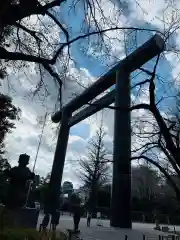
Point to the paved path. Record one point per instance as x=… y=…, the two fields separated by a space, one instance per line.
x=107 y=233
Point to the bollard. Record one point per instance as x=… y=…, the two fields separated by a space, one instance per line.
x=126 y=237
x=173 y=237
x=157 y=227
x=143 y=218
x=69 y=234
x=144 y=237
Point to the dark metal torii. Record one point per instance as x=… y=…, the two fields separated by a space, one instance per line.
x=121 y=192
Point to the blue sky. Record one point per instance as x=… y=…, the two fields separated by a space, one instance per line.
x=89 y=65
x=81 y=130
x=74 y=20
x=96 y=68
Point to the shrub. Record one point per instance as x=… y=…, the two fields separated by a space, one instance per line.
x=19 y=234
x=26 y=234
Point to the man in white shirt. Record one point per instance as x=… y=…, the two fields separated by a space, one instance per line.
x=99 y=219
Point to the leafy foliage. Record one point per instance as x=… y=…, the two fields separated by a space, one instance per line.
x=8 y=112
x=3 y=38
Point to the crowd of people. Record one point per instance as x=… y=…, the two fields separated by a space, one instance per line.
x=53 y=220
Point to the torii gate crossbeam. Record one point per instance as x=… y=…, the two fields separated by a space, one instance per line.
x=132 y=62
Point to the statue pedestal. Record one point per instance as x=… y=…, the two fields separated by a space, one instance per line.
x=21 y=218
x=26 y=218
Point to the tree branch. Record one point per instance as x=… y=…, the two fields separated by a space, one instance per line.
x=146 y=146
x=52 y=73
x=165 y=132
x=4 y=54
x=17 y=12
x=59 y=24
x=152 y=85
x=162 y=170
x=95 y=33
x=146 y=71
x=32 y=33
x=170 y=158
x=140 y=106
x=141 y=83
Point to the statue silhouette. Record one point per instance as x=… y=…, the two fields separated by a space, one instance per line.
x=18 y=178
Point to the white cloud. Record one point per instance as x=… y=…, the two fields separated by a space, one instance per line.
x=25 y=138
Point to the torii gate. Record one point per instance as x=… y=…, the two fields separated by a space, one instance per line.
x=119 y=75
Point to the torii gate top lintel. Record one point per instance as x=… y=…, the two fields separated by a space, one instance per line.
x=135 y=60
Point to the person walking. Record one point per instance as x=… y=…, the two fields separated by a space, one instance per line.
x=44 y=224
x=89 y=216
x=76 y=216
x=54 y=220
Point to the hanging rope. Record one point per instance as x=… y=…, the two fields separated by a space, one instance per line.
x=35 y=161
x=60 y=96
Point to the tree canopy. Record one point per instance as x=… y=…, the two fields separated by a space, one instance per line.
x=8 y=113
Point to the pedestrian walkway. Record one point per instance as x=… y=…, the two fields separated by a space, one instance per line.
x=108 y=233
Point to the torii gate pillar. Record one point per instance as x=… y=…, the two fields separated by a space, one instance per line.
x=121 y=190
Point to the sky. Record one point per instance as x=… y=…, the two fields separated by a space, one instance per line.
x=90 y=63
